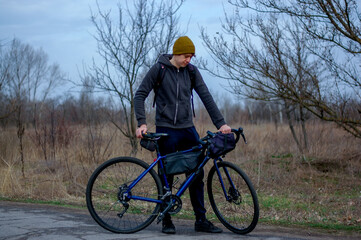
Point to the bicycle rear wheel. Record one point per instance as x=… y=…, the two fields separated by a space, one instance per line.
x=238 y=212
x=105 y=188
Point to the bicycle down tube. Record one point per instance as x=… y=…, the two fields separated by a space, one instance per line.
x=190 y=178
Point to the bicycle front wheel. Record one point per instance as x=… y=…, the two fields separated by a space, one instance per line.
x=235 y=201
x=105 y=190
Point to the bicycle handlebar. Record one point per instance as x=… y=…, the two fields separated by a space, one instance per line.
x=238 y=132
x=153 y=136
x=203 y=141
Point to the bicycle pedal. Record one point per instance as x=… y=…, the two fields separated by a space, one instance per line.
x=160 y=218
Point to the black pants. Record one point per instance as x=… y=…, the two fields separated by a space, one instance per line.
x=178 y=140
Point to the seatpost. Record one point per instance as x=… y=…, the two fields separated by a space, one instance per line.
x=157 y=148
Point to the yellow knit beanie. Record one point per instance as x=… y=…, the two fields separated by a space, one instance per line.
x=183 y=45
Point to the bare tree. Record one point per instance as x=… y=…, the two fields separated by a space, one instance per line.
x=334 y=30
x=128 y=48
x=276 y=56
x=28 y=82
x=6 y=107
x=333 y=21
x=278 y=68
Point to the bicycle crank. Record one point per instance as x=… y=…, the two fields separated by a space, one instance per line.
x=172 y=205
x=176 y=203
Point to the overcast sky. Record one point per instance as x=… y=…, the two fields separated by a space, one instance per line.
x=62 y=28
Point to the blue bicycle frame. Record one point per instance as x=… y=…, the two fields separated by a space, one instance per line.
x=185 y=184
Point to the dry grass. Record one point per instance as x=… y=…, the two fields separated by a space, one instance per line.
x=321 y=186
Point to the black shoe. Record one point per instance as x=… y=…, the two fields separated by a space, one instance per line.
x=168 y=227
x=206 y=226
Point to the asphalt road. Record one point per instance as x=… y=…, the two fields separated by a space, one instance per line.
x=34 y=221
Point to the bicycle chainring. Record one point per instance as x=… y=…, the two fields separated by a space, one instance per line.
x=177 y=204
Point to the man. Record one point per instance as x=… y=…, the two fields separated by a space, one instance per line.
x=174 y=116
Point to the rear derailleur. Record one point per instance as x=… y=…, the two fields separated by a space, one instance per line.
x=123 y=198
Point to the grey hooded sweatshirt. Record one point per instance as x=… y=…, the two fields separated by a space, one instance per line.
x=173 y=102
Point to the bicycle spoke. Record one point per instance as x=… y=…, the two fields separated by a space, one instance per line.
x=127 y=215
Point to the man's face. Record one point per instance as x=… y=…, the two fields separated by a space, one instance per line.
x=182 y=60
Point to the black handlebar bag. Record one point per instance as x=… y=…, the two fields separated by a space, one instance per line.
x=221 y=144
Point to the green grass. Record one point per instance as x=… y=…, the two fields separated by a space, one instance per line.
x=324 y=226
x=286 y=206
x=280 y=203
x=283 y=156
x=53 y=203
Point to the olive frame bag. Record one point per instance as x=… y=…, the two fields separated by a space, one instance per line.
x=182 y=162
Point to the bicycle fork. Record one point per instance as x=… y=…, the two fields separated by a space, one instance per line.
x=233 y=194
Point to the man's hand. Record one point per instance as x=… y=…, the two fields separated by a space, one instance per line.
x=225 y=129
x=142 y=129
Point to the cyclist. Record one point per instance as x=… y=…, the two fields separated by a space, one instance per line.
x=174 y=116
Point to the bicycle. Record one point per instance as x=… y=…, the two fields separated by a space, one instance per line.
x=125 y=194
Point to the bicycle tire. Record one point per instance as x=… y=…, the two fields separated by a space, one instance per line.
x=103 y=189
x=240 y=213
